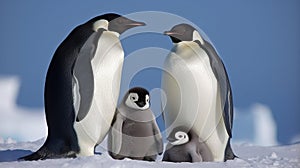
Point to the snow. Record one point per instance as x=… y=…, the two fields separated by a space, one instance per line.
x=255 y=125
x=264 y=123
x=249 y=156
x=17 y=122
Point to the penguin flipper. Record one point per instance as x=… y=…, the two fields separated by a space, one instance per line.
x=221 y=75
x=116 y=133
x=158 y=138
x=166 y=157
x=84 y=77
x=196 y=157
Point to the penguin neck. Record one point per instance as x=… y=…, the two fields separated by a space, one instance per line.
x=184 y=44
x=136 y=115
x=185 y=48
x=100 y=24
x=113 y=33
x=194 y=137
x=197 y=36
x=103 y=24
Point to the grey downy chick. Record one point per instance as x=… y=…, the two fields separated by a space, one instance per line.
x=134 y=133
x=185 y=146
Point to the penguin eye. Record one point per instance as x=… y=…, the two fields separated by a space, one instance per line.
x=180 y=136
x=133 y=98
x=147 y=99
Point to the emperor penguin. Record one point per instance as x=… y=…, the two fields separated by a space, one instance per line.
x=82 y=87
x=198 y=91
x=185 y=146
x=134 y=132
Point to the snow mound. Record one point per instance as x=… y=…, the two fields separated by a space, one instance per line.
x=249 y=156
x=20 y=123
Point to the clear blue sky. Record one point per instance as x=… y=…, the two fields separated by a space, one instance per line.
x=257 y=40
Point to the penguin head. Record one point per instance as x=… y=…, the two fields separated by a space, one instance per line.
x=114 y=22
x=183 y=32
x=179 y=136
x=138 y=98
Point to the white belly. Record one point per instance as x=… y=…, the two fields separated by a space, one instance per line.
x=107 y=68
x=192 y=95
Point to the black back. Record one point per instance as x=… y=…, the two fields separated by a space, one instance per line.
x=109 y=17
x=58 y=97
x=58 y=94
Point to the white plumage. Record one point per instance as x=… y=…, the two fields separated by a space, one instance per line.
x=193 y=97
x=107 y=68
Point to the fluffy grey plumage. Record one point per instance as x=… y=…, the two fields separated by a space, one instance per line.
x=134 y=133
x=191 y=150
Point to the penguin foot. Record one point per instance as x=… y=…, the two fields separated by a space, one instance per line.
x=116 y=156
x=150 y=158
x=43 y=154
x=229 y=155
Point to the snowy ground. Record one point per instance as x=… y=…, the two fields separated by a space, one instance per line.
x=250 y=156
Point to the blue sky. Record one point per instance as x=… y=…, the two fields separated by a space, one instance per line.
x=257 y=40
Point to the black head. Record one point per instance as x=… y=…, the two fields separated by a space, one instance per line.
x=179 y=135
x=114 y=22
x=181 y=32
x=138 y=98
x=108 y=16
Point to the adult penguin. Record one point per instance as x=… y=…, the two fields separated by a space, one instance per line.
x=82 y=87
x=198 y=91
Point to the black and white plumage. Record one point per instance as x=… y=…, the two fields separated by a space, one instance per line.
x=82 y=87
x=134 y=133
x=185 y=146
x=198 y=90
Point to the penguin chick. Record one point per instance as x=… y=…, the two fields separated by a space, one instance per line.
x=134 y=133
x=185 y=146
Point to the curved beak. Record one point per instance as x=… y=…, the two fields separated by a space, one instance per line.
x=136 y=23
x=170 y=33
x=141 y=103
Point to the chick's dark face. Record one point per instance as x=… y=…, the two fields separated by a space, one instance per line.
x=138 y=98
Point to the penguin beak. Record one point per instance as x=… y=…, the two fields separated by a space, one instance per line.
x=141 y=103
x=135 y=23
x=171 y=33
